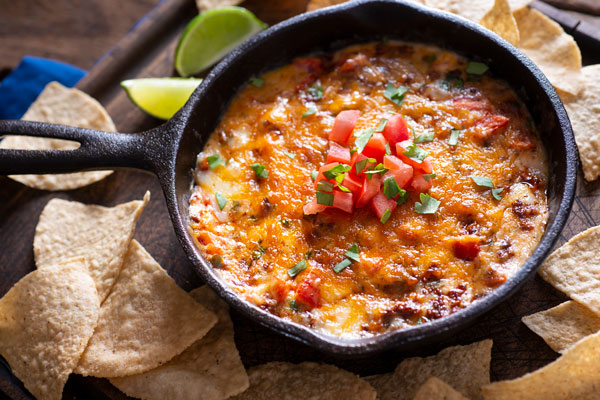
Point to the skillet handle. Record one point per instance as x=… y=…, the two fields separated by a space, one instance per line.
x=98 y=150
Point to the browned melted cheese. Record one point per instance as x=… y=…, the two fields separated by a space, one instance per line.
x=409 y=272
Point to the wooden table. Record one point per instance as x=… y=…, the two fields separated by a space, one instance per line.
x=148 y=51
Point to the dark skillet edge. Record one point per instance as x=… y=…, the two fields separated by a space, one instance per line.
x=400 y=339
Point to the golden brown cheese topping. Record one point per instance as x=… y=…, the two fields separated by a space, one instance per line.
x=357 y=255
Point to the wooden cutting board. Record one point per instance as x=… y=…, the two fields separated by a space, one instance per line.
x=147 y=51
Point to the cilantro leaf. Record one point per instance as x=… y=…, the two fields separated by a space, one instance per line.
x=425 y=137
x=415 y=153
x=386 y=216
x=221 y=200
x=390 y=187
x=316 y=91
x=214 y=161
x=404 y=195
x=325 y=186
x=339 y=267
x=313 y=175
x=308 y=112
x=476 y=68
x=332 y=173
x=395 y=94
x=454 y=134
x=296 y=269
x=258 y=82
x=428 y=177
x=483 y=181
x=260 y=171
x=362 y=139
x=428 y=204
x=496 y=193
x=325 y=199
x=381 y=126
x=353 y=253
x=290 y=155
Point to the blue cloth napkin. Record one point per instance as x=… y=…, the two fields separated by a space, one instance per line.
x=23 y=85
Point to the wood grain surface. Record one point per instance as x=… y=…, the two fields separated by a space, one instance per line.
x=147 y=51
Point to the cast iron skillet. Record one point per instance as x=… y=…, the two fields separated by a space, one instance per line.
x=170 y=150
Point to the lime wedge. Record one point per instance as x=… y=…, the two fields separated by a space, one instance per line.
x=160 y=97
x=212 y=35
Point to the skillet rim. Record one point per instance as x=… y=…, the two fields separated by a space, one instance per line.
x=401 y=338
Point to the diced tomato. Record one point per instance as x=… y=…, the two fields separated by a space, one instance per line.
x=357 y=157
x=468 y=103
x=338 y=154
x=310 y=64
x=375 y=148
x=466 y=248
x=343 y=126
x=380 y=203
x=313 y=207
x=369 y=190
x=491 y=124
x=279 y=290
x=343 y=201
x=425 y=166
x=308 y=292
x=326 y=167
x=353 y=182
x=395 y=129
x=420 y=184
x=402 y=172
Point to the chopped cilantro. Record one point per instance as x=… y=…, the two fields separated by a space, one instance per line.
x=428 y=177
x=359 y=166
x=496 y=193
x=425 y=137
x=325 y=186
x=316 y=91
x=390 y=187
x=308 y=112
x=332 y=173
x=258 y=82
x=340 y=178
x=260 y=170
x=395 y=94
x=214 y=161
x=290 y=155
x=339 y=267
x=404 y=195
x=352 y=253
x=344 y=189
x=381 y=126
x=325 y=199
x=221 y=200
x=388 y=151
x=293 y=305
x=296 y=269
x=483 y=181
x=362 y=139
x=313 y=175
x=454 y=135
x=476 y=68
x=386 y=216
x=415 y=153
x=428 y=204
x=378 y=169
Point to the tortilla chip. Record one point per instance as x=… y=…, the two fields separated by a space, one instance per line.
x=564 y=325
x=46 y=320
x=145 y=321
x=501 y=21
x=574 y=269
x=211 y=366
x=466 y=367
x=575 y=375
x=68 y=229
x=474 y=10
x=584 y=112
x=59 y=105
x=205 y=5
x=317 y=4
x=551 y=49
x=307 y=380
x=437 y=389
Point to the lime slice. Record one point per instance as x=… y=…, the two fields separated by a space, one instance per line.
x=160 y=97
x=213 y=34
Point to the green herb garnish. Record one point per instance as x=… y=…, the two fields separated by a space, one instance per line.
x=214 y=161
x=339 y=267
x=386 y=216
x=415 y=153
x=362 y=139
x=290 y=155
x=332 y=173
x=325 y=199
x=388 y=151
x=258 y=82
x=316 y=91
x=221 y=200
x=260 y=170
x=476 y=68
x=390 y=187
x=325 y=186
x=308 y=112
x=395 y=94
x=425 y=137
x=352 y=253
x=313 y=175
x=404 y=196
x=496 y=193
x=428 y=204
x=454 y=134
x=381 y=126
x=378 y=169
x=428 y=177
x=296 y=269
x=483 y=181
x=344 y=189
x=293 y=305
